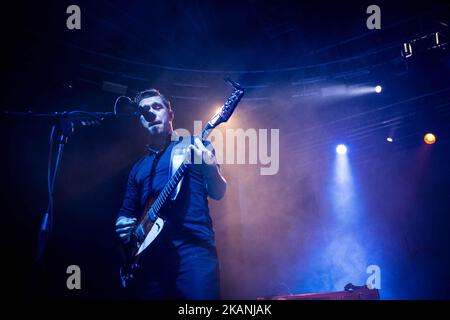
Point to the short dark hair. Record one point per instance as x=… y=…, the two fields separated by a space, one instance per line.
x=152 y=93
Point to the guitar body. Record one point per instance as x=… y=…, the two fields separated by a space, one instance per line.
x=146 y=232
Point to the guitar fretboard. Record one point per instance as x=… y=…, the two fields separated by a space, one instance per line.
x=168 y=189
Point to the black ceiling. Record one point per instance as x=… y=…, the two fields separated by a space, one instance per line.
x=286 y=51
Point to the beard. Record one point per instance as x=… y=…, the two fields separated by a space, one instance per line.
x=157 y=130
x=154 y=131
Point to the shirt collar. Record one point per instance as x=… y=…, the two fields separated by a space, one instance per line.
x=170 y=138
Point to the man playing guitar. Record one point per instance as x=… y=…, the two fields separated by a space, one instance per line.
x=182 y=262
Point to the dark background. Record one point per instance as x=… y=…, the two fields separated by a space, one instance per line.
x=287 y=233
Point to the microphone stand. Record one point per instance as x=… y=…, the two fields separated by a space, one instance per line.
x=65 y=122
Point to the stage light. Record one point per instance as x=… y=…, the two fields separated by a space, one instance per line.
x=341 y=149
x=389 y=139
x=378 y=89
x=429 y=138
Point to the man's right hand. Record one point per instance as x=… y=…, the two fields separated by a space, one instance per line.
x=124 y=227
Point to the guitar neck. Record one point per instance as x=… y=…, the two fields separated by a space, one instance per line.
x=176 y=178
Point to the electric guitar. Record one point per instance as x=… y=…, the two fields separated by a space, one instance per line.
x=151 y=223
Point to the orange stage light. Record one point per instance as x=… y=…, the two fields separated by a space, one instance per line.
x=429 y=138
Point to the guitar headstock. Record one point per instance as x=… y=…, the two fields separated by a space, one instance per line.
x=225 y=112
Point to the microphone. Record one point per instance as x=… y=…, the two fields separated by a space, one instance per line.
x=140 y=111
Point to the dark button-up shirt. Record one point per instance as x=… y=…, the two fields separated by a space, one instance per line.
x=188 y=215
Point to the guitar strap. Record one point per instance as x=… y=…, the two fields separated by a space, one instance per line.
x=156 y=158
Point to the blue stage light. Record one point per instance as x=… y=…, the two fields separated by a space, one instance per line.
x=341 y=149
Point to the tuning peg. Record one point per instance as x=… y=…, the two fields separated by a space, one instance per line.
x=234 y=83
